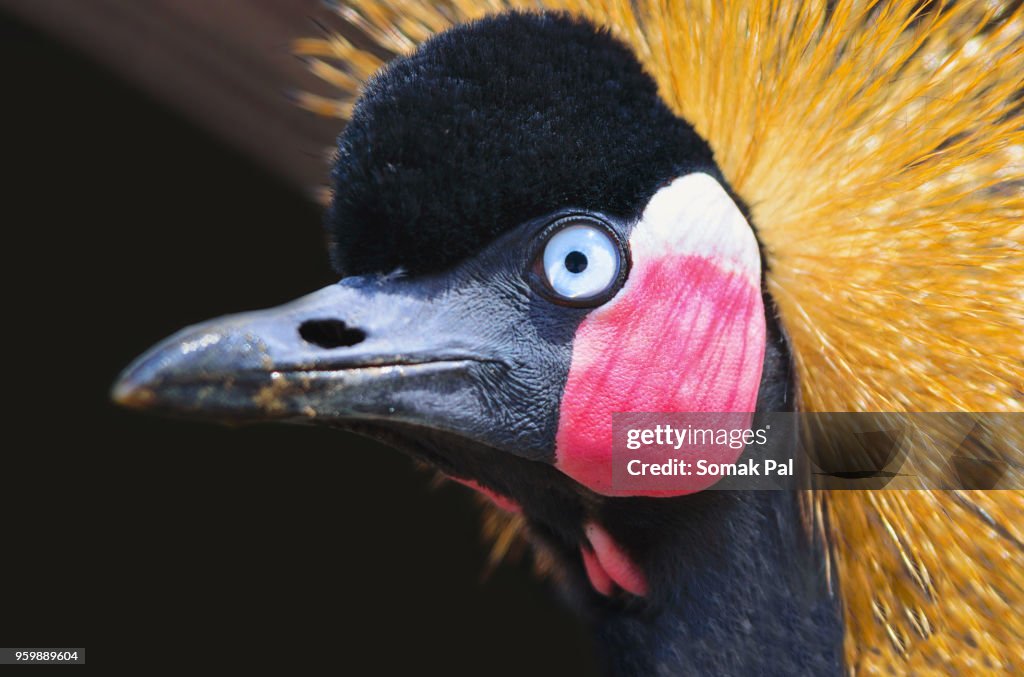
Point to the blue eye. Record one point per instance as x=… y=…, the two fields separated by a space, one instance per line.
x=581 y=262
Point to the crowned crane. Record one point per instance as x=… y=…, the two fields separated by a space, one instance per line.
x=533 y=236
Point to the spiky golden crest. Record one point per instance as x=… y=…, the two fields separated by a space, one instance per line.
x=880 y=146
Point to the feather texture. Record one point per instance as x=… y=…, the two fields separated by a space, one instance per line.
x=880 y=147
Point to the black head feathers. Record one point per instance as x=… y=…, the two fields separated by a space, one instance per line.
x=489 y=125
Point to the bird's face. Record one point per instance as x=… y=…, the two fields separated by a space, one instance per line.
x=531 y=242
x=528 y=347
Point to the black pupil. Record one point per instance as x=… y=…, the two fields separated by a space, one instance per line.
x=576 y=262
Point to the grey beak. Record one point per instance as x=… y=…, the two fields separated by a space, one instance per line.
x=353 y=350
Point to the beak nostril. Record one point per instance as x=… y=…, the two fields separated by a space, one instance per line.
x=330 y=333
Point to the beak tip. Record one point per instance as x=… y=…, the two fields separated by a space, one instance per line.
x=131 y=394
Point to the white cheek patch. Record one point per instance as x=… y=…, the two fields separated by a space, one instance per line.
x=694 y=215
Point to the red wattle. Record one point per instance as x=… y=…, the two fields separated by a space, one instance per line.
x=613 y=562
x=599 y=578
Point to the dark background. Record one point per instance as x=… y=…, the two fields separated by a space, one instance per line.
x=189 y=545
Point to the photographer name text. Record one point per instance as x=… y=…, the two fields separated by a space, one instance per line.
x=703 y=468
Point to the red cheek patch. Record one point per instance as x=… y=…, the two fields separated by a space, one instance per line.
x=685 y=334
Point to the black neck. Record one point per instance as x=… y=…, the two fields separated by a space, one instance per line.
x=738 y=588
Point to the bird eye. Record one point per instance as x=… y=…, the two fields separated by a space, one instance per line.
x=580 y=263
